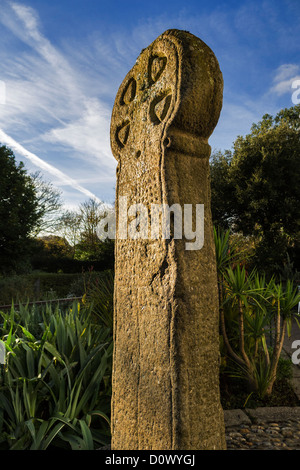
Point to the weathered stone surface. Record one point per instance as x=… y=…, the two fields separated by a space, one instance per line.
x=166 y=356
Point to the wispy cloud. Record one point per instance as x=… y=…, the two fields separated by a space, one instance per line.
x=284 y=77
x=61 y=177
x=60 y=93
x=49 y=100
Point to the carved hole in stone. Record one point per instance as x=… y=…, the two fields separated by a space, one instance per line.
x=159 y=107
x=167 y=142
x=129 y=92
x=138 y=154
x=156 y=66
x=122 y=133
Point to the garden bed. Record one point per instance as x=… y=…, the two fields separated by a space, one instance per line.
x=234 y=395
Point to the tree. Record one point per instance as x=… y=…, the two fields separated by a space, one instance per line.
x=70 y=225
x=56 y=246
x=91 y=213
x=18 y=211
x=79 y=227
x=49 y=204
x=221 y=189
x=256 y=188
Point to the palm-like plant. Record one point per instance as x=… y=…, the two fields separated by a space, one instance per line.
x=239 y=292
x=283 y=299
x=248 y=305
x=226 y=256
x=227 y=252
x=100 y=296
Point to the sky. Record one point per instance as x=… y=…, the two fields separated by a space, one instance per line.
x=62 y=62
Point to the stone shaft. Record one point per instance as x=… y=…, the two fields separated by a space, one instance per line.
x=166 y=340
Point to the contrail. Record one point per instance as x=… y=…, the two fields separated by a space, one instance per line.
x=65 y=179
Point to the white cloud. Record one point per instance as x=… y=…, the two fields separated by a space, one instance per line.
x=86 y=134
x=63 y=178
x=284 y=77
x=59 y=98
x=52 y=104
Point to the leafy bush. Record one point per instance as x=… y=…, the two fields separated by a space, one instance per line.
x=52 y=264
x=55 y=386
x=35 y=286
x=15 y=288
x=45 y=286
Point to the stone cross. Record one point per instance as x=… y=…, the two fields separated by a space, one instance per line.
x=166 y=340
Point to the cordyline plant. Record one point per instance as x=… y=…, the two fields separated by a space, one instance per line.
x=248 y=305
x=239 y=294
x=55 y=385
x=283 y=300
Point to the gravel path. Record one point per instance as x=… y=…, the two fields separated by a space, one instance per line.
x=263 y=429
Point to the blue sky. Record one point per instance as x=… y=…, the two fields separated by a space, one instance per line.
x=63 y=61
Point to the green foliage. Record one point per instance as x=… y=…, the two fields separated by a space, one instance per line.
x=48 y=204
x=36 y=286
x=54 y=254
x=224 y=253
x=249 y=305
x=256 y=188
x=80 y=229
x=18 y=211
x=27 y=206
x=56 y=384
x=47 y=286
x=54 y=245
x=99 y=294
x=221 y=189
